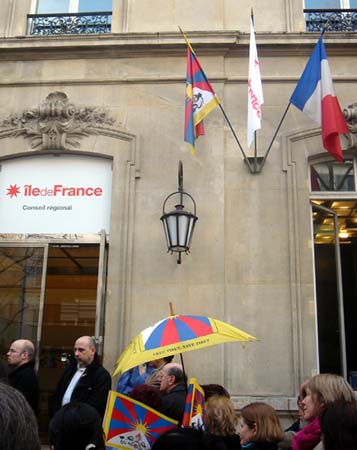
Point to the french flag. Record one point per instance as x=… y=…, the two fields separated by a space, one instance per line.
x=315 y=96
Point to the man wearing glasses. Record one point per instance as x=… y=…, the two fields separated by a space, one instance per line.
x=174 y=388
x=22 y=375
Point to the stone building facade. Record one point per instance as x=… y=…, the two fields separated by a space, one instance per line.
x=260 y=257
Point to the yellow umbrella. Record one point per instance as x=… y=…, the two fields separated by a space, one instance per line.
x=177 y=334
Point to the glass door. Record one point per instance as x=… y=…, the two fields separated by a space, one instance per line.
x=22 y=279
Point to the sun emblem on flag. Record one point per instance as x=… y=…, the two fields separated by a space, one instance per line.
x=139 y=426
x=13 y=190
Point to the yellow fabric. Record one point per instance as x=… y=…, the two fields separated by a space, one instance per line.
x=136 y=354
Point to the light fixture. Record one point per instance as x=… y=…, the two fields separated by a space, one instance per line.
x=343 y=234
x=179 y=223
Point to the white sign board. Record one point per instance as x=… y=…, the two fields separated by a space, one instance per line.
x=55 y=194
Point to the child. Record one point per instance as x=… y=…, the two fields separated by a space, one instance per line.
x=260 y=427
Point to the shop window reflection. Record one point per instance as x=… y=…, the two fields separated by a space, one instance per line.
x=332 y=176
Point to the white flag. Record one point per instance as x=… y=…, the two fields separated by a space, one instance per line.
x=255 y=90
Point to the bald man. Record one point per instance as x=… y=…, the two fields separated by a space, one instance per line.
x=174 y=388
x=85 y=380
x=22 y=375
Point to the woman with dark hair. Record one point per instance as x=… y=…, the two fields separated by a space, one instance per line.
x=76 y=426
x=214 y=389
x=187 y=439
x=339 y=426
x=149 y=395
x=260 y=427
x=18 y=424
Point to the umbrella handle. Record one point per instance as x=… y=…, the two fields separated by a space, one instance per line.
x=184 y=373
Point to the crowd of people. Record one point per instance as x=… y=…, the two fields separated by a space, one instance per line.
x=327 y=408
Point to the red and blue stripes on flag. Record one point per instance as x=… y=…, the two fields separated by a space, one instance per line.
x=315 y=96
x=200 y=98
x=194 y=413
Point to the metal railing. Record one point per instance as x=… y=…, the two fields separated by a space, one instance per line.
x=69 y=23
x=331 y=20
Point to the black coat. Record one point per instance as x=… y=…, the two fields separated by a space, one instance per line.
x=92 y=388
x=264 y=446
x=231 y=442
x=174 y=402
x=24 y=379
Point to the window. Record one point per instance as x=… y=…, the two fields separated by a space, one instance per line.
x=332 y=15
x=72 y=6
x=330 y=4
x=70 y=17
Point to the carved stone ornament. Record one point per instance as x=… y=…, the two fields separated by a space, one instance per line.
x=350 y=114
x=57 y=124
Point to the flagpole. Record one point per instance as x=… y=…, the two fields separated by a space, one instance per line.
x=255 y=151
x=274 y=136
x=236 y=138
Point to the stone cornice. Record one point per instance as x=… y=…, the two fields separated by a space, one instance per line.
x=137 y=44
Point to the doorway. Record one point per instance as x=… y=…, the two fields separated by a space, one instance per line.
x=51 y=294
x=69 y=311
x=329 y=262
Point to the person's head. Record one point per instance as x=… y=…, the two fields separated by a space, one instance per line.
x=18 y=423
x=221 y=418
x=171 y=375
x=301 y=396
x=339 y=426
x=259 y=423
x=76 y=426
x=156 y=363
x=214 y=389
x=20 y=352
x=84 y=350
x=149 y=395
x=321 y=391
x=186 y=439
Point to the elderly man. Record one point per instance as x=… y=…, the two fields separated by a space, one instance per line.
x=85 y=380
x=22 y=375
x=174 y=388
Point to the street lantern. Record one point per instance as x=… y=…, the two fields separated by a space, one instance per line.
x=179 y=223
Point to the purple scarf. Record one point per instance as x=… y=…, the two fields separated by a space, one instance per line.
x=308 y=437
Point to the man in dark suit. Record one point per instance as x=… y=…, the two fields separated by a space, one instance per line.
x=85 y=380
x=22 y=375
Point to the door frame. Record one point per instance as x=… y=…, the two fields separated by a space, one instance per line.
x=341 y=313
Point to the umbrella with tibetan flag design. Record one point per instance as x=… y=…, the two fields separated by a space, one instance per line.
x=177 y=334
x=129 y=424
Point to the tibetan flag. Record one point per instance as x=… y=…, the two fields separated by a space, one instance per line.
x=195 y=406
x=129 y=424
x=315 y=96
x=200 y=98
x=255 y=90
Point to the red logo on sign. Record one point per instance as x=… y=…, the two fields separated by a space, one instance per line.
x=13 y=190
